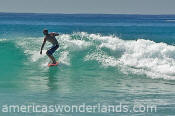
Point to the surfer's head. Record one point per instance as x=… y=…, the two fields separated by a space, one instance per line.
x=45 y=31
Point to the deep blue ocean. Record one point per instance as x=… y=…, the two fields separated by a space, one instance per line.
x=103 y=59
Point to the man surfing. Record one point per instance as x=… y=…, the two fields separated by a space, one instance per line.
x=50 y=37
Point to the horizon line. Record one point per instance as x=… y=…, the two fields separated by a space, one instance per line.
x=83 y=13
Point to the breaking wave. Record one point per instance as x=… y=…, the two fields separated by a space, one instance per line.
x=145 y=57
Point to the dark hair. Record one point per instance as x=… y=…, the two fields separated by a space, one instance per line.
x=45 y=30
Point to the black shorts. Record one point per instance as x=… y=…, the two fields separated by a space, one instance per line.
x=52 y=49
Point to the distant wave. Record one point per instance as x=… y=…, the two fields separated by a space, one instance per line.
x=170 y=20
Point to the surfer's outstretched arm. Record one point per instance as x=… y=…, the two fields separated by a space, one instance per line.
x=54 y=34
x=43 y=45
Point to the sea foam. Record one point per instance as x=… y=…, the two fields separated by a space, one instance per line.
x=139 y=56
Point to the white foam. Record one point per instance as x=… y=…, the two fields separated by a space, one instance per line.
x=73 y=44
x=102 y=58
x=64 y=58
x=31 y=47
x=153 y=59
x=44 y=64
x=1 y=40
x=149 y=55
x=35 y=55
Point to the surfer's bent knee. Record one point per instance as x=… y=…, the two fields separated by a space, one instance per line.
x=52 y=50
x=48 y=53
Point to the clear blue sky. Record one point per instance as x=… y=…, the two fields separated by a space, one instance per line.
x=89 y=6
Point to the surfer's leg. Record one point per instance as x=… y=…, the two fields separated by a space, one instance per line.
x=51 y=57
x=50 y=52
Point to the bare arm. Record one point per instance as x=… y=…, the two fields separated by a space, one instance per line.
x=54 y=34
x=43 y=45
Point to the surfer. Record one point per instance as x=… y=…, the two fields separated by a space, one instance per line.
x=50 y=37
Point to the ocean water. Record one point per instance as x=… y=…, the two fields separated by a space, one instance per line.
x=104 y=59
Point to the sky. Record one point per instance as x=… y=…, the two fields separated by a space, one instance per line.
x=89 y=6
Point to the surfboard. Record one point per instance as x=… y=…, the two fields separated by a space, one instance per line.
x=50 y=64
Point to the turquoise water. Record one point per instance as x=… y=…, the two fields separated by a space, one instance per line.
x=104 y=59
